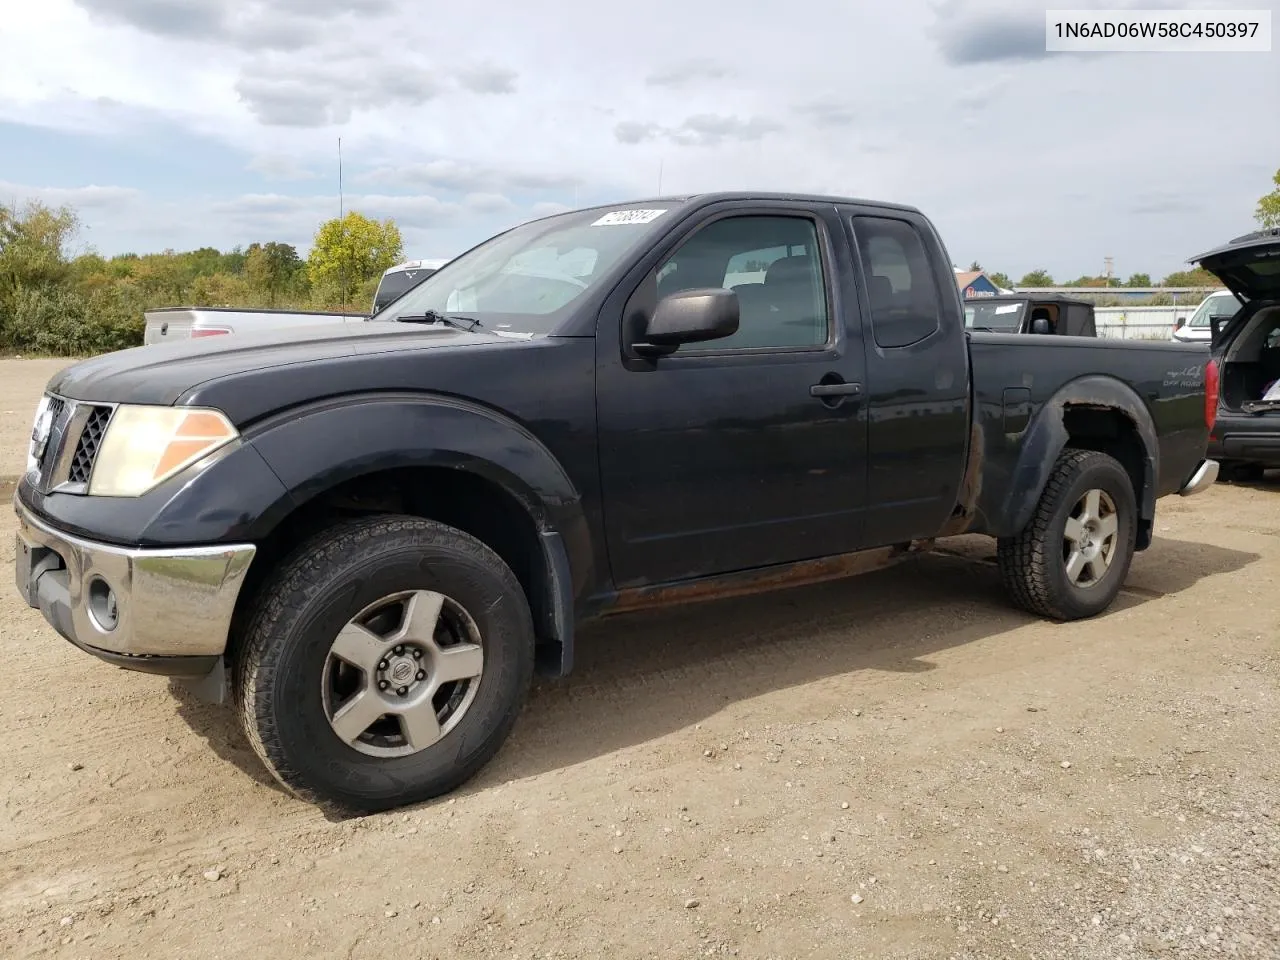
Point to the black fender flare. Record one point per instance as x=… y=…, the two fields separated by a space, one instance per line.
x=314 y=448
x=1007 y=511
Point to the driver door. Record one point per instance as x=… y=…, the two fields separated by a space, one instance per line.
x=720 y=457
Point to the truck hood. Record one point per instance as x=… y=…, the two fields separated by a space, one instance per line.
x=1248 y=266
x=161 y=373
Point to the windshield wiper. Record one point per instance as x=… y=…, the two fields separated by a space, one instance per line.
x=435 y=316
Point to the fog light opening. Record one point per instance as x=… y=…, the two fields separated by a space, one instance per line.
x=102 y=605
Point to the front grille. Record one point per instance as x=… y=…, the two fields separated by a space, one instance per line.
x=87 y=446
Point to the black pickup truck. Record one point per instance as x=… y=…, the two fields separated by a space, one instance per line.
x=368 y=537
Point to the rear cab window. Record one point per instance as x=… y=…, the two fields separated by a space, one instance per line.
x=902 y=286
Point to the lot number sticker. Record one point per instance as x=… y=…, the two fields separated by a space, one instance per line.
x=622 y=217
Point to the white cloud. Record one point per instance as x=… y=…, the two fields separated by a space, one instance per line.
x=1023 y=159
x=280 y=167
x=92 y=198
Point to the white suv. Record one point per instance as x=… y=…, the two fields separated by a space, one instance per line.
x=402 y=278
x=1221 y=304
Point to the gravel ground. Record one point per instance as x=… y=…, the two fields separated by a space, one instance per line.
x=898 y=766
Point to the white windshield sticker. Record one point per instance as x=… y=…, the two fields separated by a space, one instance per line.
x=1007 y=308
x=620 y=217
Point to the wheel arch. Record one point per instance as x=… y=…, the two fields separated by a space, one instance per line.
x=1090 y=413
x=465 y=466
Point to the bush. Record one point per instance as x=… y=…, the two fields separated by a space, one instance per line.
x=56 y=321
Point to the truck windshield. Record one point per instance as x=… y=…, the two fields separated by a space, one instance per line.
x=1005 y=317
x=1221 y=305
x=523 y=281
x=395 y=284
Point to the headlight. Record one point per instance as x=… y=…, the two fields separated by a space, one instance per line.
x=144 y=446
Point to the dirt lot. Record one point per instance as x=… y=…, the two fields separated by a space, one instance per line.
x=895 y=766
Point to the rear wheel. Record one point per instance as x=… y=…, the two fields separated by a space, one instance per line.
x=1071 y=559
x=385 y=664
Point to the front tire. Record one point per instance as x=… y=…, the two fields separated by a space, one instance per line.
x=1072 y=557
x=384 y=664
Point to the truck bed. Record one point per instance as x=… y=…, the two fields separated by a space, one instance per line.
x=1015 y=376
x=179 y=323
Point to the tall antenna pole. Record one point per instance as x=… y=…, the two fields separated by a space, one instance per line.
x=660 y=178
x=342 y=228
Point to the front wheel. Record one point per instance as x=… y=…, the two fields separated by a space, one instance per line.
x=1072 y=557
x=384 y=664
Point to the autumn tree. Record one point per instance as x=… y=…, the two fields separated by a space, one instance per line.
x=352 y=251
x=1268 y=212
x=272 y=268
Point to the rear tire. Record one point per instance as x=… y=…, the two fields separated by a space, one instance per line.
x=1072 y=557
x=384 y=664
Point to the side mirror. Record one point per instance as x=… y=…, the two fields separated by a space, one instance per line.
x=1177 y=324
x=690 y=316
x=1040 y=325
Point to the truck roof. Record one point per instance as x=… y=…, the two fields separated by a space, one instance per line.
x=702 y=199
x=1042 y=298
x=435 y=264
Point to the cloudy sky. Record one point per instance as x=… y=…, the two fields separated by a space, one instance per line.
x=183 y=123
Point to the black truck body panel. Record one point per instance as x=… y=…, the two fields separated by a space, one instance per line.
x=1021 y=414
x=639 y=473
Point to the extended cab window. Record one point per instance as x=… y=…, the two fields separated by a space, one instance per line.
x=901 y=286
x=773 y=263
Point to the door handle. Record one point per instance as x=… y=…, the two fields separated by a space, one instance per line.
x=835 y=390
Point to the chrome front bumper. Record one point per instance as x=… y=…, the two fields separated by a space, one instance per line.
x=1205 y=476
x=172 y=608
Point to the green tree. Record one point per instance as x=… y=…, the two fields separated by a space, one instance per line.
x=33 y=244
x=1268 y=212
x=350 y=251
x=1139 y=280
x=272 y=267
x=1036 y=278
x=1000 y=280
x=1191 y=278
x=975 y=267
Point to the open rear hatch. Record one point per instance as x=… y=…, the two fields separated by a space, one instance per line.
x=1248 y=266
